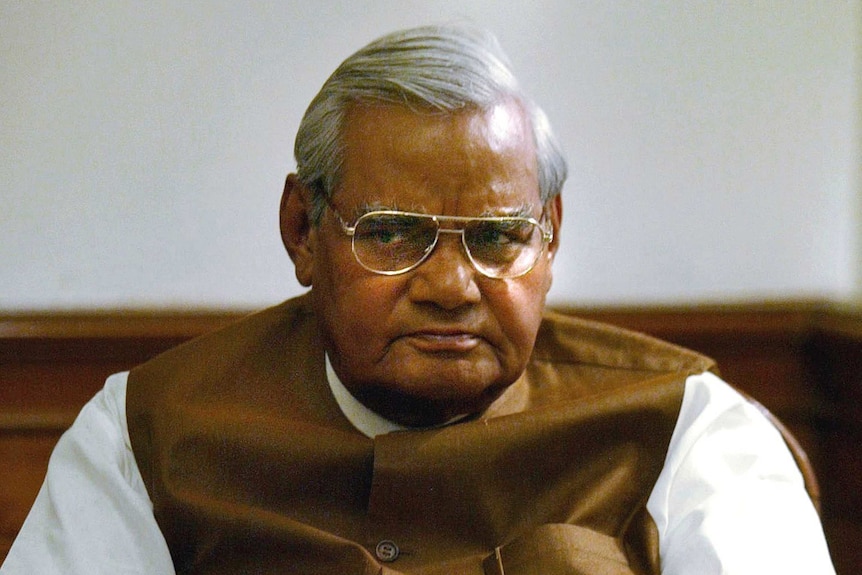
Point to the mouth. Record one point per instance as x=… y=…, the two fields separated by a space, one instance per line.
x=443 y=341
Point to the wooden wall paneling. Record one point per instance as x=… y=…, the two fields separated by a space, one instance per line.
x=50 y=366
x=835 y=353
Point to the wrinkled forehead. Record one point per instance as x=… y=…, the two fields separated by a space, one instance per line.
x=472 y=162
x=499 y=125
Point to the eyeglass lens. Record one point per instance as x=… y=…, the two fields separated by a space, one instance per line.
x=498 y=247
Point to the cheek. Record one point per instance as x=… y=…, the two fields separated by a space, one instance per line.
x=518 y=307
x=339 y=284
x=358 y=314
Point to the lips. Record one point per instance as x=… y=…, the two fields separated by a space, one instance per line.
x=443 y=341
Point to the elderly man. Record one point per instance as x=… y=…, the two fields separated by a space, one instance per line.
x=418 y=411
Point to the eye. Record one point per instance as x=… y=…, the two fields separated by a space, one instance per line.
x=500 y=233
x=500 y=242
x=385 y=229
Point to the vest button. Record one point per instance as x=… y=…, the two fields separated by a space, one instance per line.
x=387 y=551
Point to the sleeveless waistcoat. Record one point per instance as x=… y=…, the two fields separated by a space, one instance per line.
x=252 y=468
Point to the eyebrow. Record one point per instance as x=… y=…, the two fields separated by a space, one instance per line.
x=525 y=210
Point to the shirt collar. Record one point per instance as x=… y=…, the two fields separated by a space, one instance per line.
x=371 y=424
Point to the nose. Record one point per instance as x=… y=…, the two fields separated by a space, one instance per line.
x=446 y=278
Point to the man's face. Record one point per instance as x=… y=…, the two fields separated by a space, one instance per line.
x=440 y=340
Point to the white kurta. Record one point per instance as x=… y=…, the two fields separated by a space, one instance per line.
x=730 y=499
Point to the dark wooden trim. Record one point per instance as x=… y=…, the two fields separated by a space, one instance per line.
x=113 y=324
x=132 y=335
x=45 y=422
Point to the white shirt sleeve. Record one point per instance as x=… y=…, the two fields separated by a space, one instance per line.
x=93 y=514
x=730 y=499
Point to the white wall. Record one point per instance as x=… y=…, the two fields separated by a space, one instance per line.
x=714 y=146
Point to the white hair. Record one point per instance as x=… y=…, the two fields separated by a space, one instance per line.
x=439 y=68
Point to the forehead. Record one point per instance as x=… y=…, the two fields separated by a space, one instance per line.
x=468 y=162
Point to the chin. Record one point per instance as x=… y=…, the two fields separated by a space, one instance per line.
x=422 y=389
x=437 y=402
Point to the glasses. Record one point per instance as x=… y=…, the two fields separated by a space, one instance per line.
x=391 y=242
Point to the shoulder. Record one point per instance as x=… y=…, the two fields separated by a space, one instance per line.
x=565 y=338
x=716 y=418
x=576 y=359
x=730 y=497
x=249 y=362
x=286 y=327
x=93 y=508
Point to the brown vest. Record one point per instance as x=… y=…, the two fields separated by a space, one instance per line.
x=252 y=467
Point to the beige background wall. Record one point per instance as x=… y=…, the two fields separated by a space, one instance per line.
x=714 y=146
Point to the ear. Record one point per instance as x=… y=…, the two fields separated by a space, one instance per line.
x=555 y=217
x=296 y=228
x=554 y=210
